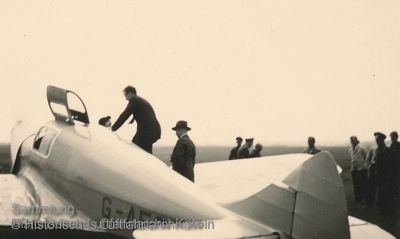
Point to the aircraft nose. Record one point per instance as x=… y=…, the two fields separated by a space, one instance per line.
x=21 y=130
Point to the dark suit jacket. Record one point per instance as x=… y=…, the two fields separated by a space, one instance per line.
x=234 y=151
x=243 y=153
x=183 y=157
x=385 y=164
x=148 y=128
x=254 y=154
x=395 y=151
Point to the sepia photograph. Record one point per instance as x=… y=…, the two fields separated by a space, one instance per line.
x=199 y=119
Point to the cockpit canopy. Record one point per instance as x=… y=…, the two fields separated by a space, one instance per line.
x=66 y=105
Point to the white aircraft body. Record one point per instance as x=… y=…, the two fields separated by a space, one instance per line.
x=69 y=162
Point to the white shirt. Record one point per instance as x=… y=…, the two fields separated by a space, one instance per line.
x=183 y=135
x=358 y=157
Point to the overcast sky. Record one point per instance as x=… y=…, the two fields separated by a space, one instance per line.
x=278 y=70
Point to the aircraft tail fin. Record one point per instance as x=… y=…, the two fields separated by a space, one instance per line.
x=314 y=205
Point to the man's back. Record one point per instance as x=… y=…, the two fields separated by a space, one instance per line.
x=384 y=162
x=148 y=126
x=142 y=110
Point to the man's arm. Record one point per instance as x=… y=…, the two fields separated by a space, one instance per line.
x=122 y=118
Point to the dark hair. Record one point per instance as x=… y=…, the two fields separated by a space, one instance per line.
x=103 y=120
x=130 y=89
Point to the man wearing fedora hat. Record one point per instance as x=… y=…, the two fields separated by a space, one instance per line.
x=184 y=153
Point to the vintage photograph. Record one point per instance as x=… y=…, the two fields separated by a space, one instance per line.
x=199 y=119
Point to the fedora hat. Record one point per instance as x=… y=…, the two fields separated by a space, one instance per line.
x=181 y=125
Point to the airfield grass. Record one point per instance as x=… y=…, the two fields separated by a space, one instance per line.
x=210 y=154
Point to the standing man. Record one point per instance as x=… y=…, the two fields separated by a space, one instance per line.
x=311 y=149
x=184 y=153
x=148 y=129
x=395 y=150
x=244 y=151
x=255 y=153
x=234 y=151
x=372 y=176
x=383 y=174
x=359 y=169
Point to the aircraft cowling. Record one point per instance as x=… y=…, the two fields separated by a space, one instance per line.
x=19 y=133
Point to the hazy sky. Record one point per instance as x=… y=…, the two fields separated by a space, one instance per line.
x=278 y=70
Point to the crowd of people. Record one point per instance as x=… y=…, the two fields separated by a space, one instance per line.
x=375 y=173
x=148 y=131
x=245 y=151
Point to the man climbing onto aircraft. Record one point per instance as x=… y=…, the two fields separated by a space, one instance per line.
x=311 y=149
x=234 y=151
x=184 y=153
x=148 y=128
x=244 y=151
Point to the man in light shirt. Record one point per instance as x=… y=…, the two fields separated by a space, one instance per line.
x=359 y=169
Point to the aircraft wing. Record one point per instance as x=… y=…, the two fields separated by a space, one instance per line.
x=299 y=195
x=252 y=187
x=19 y=200
x=362 y=229
x=13 y=191
x=234 y=180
